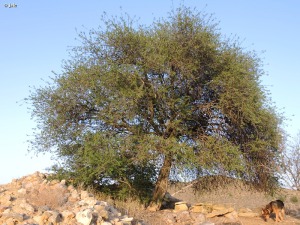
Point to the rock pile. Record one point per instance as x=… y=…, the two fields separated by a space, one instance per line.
x=202 y=213
x=33 y=200
x=215 y=210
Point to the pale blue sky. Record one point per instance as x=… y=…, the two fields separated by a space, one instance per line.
x=35 y=37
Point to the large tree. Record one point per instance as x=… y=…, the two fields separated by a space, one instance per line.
x=135 y=103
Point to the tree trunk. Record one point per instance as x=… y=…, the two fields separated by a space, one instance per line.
x=161 y=184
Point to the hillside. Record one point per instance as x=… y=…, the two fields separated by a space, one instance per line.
x=34 y=200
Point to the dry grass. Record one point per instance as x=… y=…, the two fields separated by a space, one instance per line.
x=47 y=196
x=128 y=207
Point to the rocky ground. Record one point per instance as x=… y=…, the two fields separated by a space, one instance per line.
x=33 y=200
x=234 y=204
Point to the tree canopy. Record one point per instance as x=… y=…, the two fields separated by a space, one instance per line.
x=135 y=103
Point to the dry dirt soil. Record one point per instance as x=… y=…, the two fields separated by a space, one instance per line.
x=237 y=196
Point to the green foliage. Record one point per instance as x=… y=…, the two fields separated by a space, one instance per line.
x=294 y=199
x=133 y=94
x=98 y=163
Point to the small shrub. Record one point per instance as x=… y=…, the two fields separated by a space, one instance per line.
x=130 y=206
x=294 y=199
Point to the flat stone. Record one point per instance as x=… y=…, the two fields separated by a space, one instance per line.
x=248 y=214
x=181 y=206
x=17 y=216
x=220 y=212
